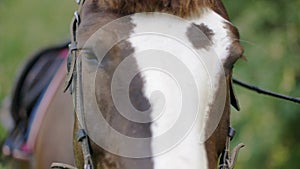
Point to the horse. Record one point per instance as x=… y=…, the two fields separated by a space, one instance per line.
x=128 y=113
x=54 y=136
x=38 y=90
x=53 y=140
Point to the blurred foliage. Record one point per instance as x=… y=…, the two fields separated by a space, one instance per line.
x=270 y=33
x=25 y=27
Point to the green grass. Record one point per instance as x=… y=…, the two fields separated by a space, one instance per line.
x=25 y=27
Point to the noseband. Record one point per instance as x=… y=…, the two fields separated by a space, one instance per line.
x=74 y=84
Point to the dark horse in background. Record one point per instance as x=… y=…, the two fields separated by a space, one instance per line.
x=38 y=114
x=96 y=82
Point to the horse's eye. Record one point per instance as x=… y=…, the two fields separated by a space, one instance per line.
x=90 y=57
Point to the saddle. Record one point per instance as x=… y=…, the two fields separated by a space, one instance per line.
x=30 y=86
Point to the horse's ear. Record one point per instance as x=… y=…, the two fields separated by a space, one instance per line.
x=233 y=100
x=236 y=50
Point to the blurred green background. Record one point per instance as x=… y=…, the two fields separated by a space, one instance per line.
x=270 y=128
x=270 y=33
x=25 y=27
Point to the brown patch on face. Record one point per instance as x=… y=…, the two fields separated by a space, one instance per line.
x=216 y=142
x=92 y=20
x=107 y=107
x=200 y=36
x=208 y=32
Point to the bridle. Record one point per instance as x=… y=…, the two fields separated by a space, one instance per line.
x=228 y=159
x=74 y=84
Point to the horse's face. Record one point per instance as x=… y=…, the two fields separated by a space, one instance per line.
x=151 y=101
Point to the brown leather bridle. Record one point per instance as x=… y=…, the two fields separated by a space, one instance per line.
x=74 y=78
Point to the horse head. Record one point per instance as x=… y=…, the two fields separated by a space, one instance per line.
x=155 y=100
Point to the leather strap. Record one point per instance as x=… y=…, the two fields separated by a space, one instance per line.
x=74 y=79
x=233 y=100
x=62 y=166
x=227 y=159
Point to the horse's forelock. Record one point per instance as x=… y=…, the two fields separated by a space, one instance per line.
x=183 y=8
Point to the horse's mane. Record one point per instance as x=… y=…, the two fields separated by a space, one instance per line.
x=181 y=8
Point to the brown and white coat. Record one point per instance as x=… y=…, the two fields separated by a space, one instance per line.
x=211 y=18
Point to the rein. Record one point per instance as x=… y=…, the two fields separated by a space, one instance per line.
x=266 y=92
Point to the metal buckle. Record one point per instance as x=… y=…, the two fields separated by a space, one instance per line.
x=77 y=17
x=81 y=134
x=78 y=1
x=231 y=133
x=228 y=159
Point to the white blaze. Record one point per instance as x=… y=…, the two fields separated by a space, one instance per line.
x=153 y=53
